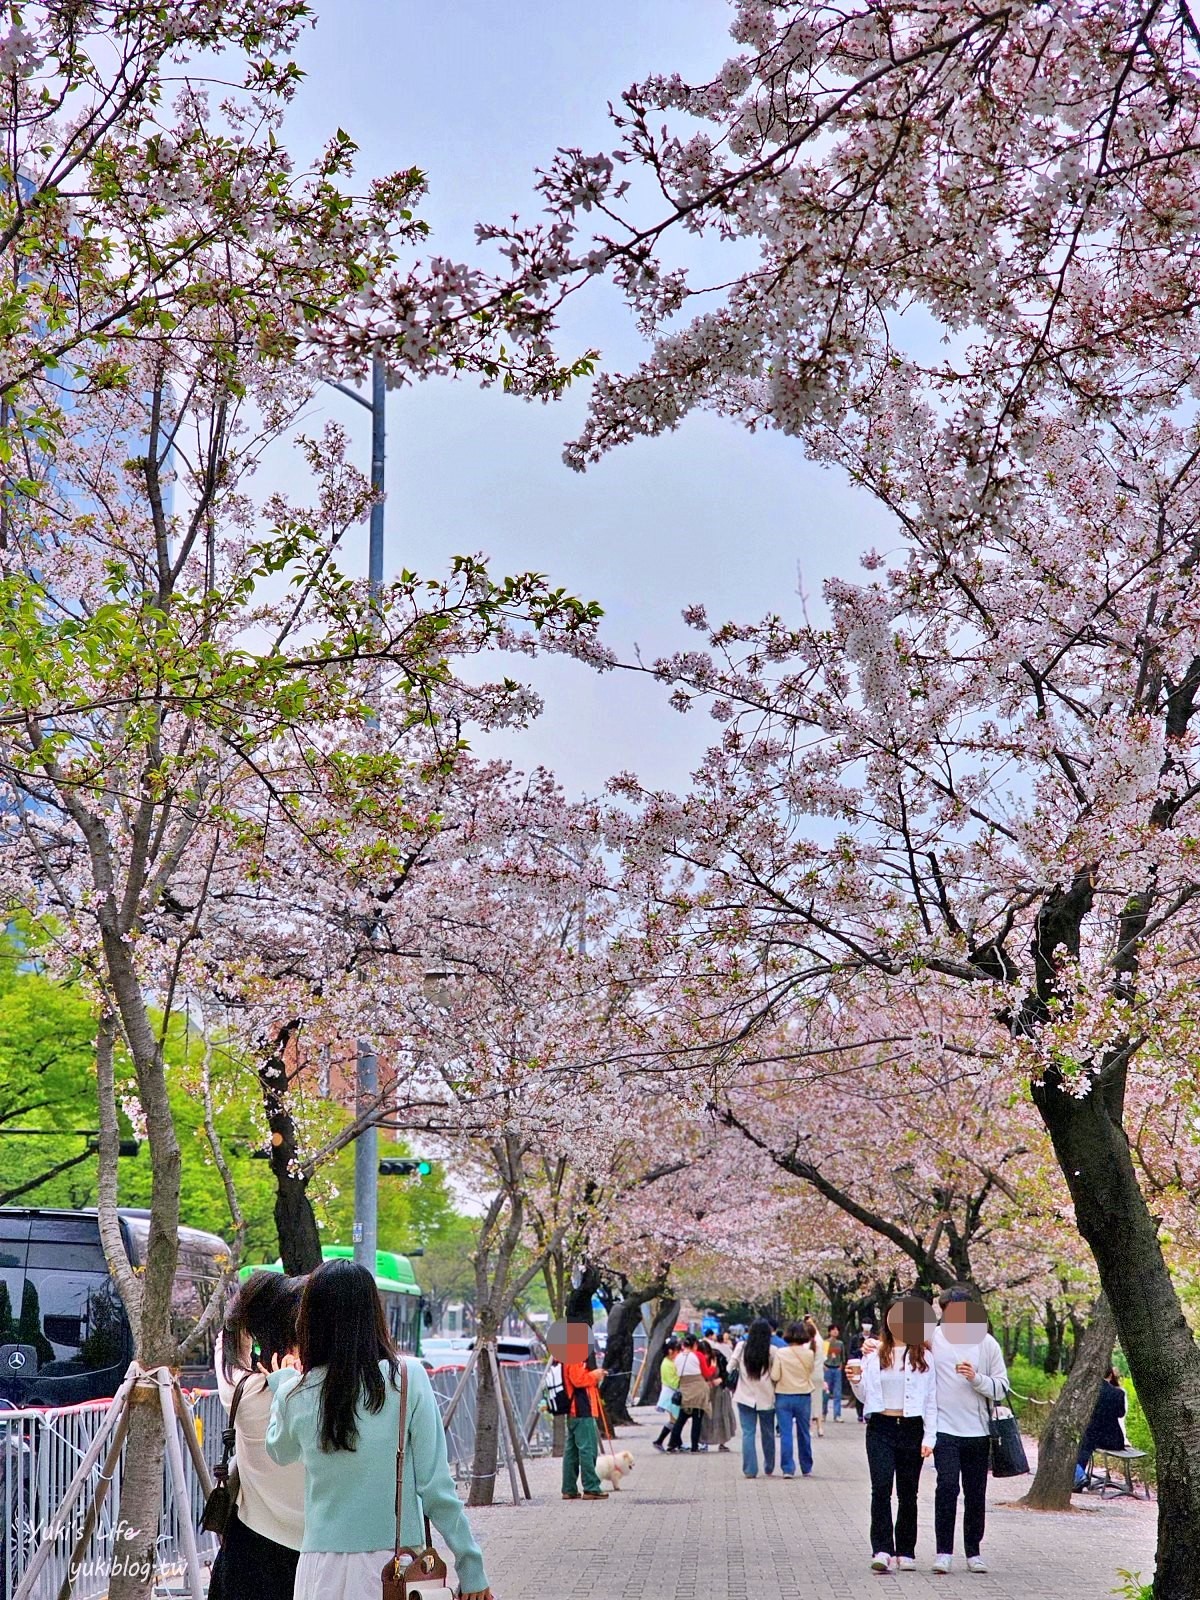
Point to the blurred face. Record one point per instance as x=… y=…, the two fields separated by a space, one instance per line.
x=964 y=1322
x=910 y=1321
x=568 y=1342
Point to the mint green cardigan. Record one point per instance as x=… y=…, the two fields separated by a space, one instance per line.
x=350 y=1495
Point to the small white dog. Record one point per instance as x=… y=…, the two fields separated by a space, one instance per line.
x=611 y=1469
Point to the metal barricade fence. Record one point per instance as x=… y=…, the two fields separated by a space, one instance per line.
x=523 y=1381
x=40 y=1451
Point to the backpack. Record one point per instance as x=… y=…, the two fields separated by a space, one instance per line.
x=554 y=1388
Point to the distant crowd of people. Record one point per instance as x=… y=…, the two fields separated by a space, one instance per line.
x=921 y=1387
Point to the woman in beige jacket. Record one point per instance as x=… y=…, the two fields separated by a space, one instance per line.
x=796 y=1374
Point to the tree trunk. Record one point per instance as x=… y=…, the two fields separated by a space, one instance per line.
x=141 y=1488
x=1011 y=1340
x=295 y=1221
x=135 y=1545
x=579 y=1302
x=486 y=1460
x=1077 y=1331
x=1059 y=1445
x=663 y=1322
x=1116 y=1222
x=1054 y=1326
x=623 y=1322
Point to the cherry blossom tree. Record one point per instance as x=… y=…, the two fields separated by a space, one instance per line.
x=499 y=1038
x=188 y=673
x=977 y=763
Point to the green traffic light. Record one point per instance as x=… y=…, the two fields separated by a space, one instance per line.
x=424 y=1168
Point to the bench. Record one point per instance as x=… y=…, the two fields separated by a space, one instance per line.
x=1104 y=1483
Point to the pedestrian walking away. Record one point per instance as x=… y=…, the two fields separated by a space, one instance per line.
x=854 y=1352
x=897 y=1383
x=796 y=1374
x=336 y=1408
x=970 y=1375
x=754 y=1392
x=668 y=1394
x=261 y=1544
x=695 y=1395
x=817 y=1419
x=835 y=1363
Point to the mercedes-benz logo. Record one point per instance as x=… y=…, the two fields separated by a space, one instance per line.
x=16 y=1360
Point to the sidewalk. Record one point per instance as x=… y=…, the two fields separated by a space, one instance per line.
x=692 y=1528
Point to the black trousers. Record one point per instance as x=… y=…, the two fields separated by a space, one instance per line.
x=250 y=1566
x=960 y=1461
x=677 y=1431
x=894 y=1457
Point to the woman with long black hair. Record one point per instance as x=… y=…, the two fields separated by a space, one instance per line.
x=339 y=1413
x=755 y=1395
x=261 y=1547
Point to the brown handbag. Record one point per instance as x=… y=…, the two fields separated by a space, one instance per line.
x=409 y=1570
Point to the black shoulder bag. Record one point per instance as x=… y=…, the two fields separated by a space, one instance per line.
x=1008 y=1458
x=218 y=1508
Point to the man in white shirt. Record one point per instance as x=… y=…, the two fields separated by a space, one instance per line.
x=970 y=1373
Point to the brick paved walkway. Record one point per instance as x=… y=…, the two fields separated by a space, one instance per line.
x=692 y=1528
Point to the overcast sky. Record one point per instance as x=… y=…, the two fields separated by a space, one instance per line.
x=478 y=95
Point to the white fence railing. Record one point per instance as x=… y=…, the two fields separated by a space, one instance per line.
x=40 y=1452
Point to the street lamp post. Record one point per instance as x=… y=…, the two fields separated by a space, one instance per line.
x=366 y=1088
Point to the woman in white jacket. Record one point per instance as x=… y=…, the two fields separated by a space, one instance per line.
x=261 y=1548
x=898 y=1387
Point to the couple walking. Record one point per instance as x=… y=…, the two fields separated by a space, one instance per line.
x=926 y=1391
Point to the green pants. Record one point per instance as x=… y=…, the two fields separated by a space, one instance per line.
x=579 y=1457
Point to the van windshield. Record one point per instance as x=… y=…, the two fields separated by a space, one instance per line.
x=63 y=1333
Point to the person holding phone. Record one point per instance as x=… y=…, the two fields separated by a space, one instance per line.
x=896 y=1381
x=970 y=1374
x=261 y=1546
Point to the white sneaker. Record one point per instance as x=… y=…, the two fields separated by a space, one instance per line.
x=881 y=1562
x=943 y=1565
x=976 y=1564
x=907 y=1563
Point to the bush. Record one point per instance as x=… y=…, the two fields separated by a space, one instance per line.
x=1029 y=1379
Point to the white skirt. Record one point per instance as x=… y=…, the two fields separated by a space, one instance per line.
x=334 y=1575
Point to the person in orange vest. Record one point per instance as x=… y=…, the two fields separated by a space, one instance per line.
x=569 y=1344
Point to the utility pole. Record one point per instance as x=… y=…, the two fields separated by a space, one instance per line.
x=366 y=1088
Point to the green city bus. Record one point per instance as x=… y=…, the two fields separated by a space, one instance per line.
x=398 y=1289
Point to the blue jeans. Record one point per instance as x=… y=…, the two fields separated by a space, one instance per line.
x=833 y=1391
x=795 y=1421
x=764 y=1421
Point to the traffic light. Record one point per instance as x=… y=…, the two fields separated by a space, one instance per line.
x=125 y=1147
x=405 y=1167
